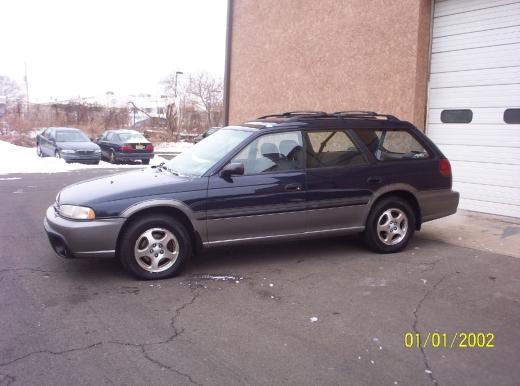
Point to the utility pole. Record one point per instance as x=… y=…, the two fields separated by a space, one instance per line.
x=26 y=80
x=177 y=109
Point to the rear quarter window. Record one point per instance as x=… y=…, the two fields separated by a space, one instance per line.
x=390 y=145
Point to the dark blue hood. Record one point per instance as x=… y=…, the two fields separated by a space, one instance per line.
x=140 y=184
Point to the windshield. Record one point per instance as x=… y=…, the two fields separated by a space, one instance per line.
x=132 y=136
x=198 y=159
x=71 y=136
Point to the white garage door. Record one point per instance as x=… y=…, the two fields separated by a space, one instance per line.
x=475 y=67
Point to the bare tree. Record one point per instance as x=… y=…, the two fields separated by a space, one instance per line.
x=11 y=89
x=206 y=92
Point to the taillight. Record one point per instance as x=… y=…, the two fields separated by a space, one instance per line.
x=126 y=148
x=149 y=147
x=445 y=168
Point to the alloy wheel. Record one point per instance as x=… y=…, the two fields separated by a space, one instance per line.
x=156 y=250
x=392 y=226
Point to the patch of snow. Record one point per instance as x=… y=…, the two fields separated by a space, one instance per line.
x=19 y=159
x=172 y=147
x=424 y=281
x=313 y=319
x=271 y=285
x=428 y=371
x=236 y=279
x=10 y=178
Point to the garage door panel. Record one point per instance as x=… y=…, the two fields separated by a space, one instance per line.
x=483 y=77
x=490 y=207
x=478 y=20
x=494 y=174
x=476 y=135
x=477 y=96
x=494 y=116
x=443 y=8
x=474 y=59
x=485 y=154
x=488 y=193
x=480 y=39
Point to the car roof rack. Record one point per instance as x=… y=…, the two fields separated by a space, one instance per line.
x=309 y=114
x=364 y=114
x=297 y=114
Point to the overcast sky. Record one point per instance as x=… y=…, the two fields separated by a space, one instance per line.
x=81 y=48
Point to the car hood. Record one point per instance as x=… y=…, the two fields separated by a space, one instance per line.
x=139 y=184
x=77 y=145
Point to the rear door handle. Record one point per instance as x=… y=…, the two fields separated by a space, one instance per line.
x=293 y=187
x=374 y=180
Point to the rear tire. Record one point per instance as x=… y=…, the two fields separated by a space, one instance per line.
x=145 y=161
x=390 y=225
x=155 y=247
x=112 y=159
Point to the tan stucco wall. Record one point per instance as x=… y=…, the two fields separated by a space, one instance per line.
x=329 y=55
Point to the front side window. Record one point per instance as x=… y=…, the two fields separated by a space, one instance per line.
x=388 y=145
x=331 y=148
x=202 y=156
x=272 y=153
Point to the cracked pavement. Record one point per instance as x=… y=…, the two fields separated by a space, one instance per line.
x=302 y=313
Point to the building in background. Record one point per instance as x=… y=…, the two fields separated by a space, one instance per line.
x=452 y=67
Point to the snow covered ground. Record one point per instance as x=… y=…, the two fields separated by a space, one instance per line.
x=18 y=159
x=172 y=147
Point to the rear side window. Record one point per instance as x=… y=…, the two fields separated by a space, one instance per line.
x=331 y=148
x=388 y=145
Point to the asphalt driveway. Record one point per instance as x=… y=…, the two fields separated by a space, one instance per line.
x=324 y=312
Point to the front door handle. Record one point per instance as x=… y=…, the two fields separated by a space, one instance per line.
x=374 y=180
x=293 y=187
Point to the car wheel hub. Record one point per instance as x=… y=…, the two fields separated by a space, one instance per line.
x=392 y=226
x=156 y=250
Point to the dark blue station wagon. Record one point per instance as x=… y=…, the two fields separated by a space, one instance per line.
x=291 y=175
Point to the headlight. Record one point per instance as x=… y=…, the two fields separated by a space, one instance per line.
x=97 y=151
x=68 y=151
x=76 y=212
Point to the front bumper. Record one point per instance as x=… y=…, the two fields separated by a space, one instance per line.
x=82 y=238
x=88 y=159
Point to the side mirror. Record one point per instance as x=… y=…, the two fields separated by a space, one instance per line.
x=233 y=169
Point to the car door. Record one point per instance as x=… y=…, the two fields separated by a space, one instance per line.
x=104 y=143
x=268 y=200
x=338 y=181
x=51 y=143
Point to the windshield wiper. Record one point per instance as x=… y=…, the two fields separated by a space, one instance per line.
x=160 y=166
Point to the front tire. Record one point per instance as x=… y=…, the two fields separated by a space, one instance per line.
x=155 y=247
x=39 y=150
x=390 y=225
